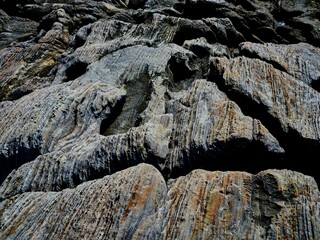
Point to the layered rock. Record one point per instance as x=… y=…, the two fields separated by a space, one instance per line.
x=284 y=103
x=238 y=205
x=125 y=205
x=159 y=119
x=299 y=60
x=136 y=203
x=211 y=131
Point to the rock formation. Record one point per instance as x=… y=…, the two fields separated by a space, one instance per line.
x=146 y=119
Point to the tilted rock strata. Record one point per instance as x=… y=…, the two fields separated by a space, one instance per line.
x=137 y=204
x=125 y=205
x=109 y=35
x=15 y=29
x=91 y=88
x=201 y=130
x=292 y=102
x=41 y=120
x=92 y=157
x=287 y=106
x=299 y=60
x=238 y=205
x=208 y=129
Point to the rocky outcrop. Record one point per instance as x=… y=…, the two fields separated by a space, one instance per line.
x=136 y=203
x=110 y=205
x=159 y=119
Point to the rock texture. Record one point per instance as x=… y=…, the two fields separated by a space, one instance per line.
x=145 y=119
x=136 y=203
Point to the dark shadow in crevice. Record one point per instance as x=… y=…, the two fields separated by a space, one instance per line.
x=81 y=36
x=200 y=51
x=116 y=111
x=316 y=84
x=75 y=70
x=179 y=7
x=300 y=153
x=180 y=68
x=284 y=15
x=290 y=34
x=232 y=155
x=184 y=69
x=248 y=54
x=18 y=93
x=199 y=10
x=18 y=155
x=206 y=9
x=188 y=32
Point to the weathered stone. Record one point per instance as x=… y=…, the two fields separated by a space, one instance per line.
x=15 y=29
x=42 y=119
x=210 y=131
x=237 y=205
x=126 y=205
x=292 y=102
x=289 y=108
x=91 y=157
x=136 y=203
x=299 y=60
x=185 y=138
x=26 y=66
x=167 y=119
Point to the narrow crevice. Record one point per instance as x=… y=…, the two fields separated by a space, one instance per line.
x=316 y=84
x=232 y=155
x=200 y=51
x=116 y=111
x=246 y=53
x=18 y=155
x=180 y=68
x=18 y=93
x=300 y=152
x=188 y=32
x=81 y=36
x=75 y=70
x=283 y=15
x=200 y=9
x=184 y=69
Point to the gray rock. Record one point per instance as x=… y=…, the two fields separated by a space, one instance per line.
x=136 y=203
x=299 y=60
x=143 y=119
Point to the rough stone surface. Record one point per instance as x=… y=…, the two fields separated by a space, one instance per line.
x=136 y=203
x=110 y=205
x=145 y=119
x=299 y=60
x=238 y=205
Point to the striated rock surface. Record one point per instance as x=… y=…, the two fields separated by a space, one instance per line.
x=238 y=205
x=110 y=205
x=145 y=119
x=136 y=203
x=299 y=60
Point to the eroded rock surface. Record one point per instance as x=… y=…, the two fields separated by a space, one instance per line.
x=136 y=203
x=159 y=119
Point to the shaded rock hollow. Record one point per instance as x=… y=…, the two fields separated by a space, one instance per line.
x=159 y=119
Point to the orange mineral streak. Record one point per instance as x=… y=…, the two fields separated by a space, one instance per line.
x=139 y=195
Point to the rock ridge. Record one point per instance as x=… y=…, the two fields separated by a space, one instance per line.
x=146 y=119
